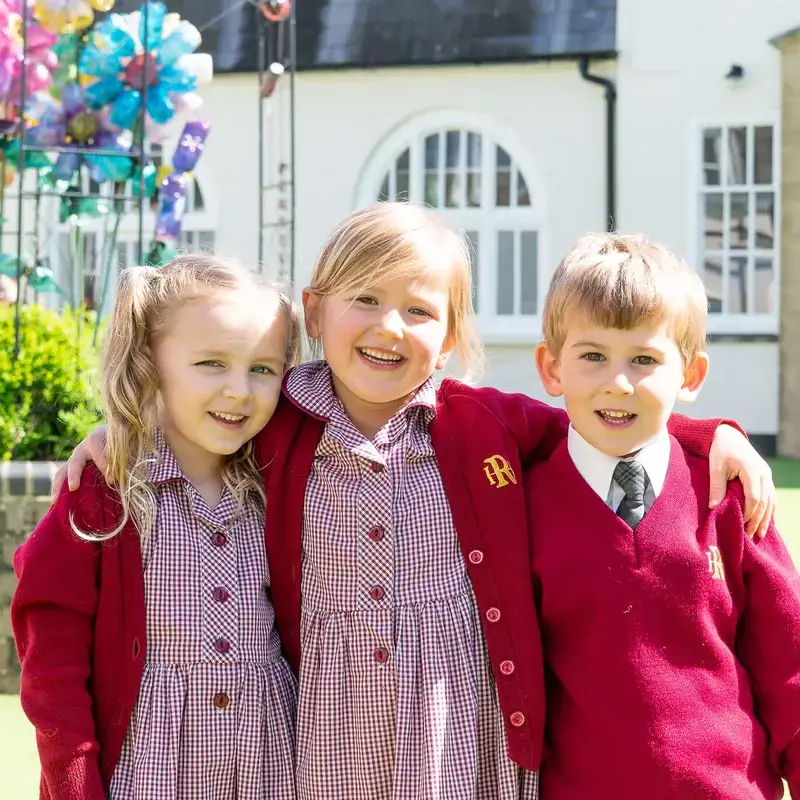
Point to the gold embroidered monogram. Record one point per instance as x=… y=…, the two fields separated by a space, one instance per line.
x=715 y=566
x=499 y=471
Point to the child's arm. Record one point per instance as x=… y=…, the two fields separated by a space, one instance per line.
x=538 y=428
x=769 y=646
x=52 y=615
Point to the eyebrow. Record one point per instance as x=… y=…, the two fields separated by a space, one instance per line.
x=277 y=357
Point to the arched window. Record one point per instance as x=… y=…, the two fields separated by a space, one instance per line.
x=472 y=176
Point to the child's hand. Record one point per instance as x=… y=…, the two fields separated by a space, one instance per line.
x=732 y=456
x=92 y=448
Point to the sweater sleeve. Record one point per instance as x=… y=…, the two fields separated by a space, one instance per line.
x=769 y=645
x=52 y=614
x=538 y=427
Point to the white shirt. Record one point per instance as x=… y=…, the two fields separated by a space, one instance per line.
x=597 y=468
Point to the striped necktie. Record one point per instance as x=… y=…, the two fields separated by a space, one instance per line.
x=630 y=475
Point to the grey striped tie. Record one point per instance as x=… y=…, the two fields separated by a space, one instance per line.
x=630 y=475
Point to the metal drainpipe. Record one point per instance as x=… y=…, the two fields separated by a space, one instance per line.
x=611 y=121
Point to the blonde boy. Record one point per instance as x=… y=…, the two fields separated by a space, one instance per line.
x=672 y=641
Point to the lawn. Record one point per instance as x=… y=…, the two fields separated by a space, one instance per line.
x=18 y=764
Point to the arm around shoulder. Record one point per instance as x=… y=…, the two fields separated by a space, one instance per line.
x=52 y=615
x=536 y=427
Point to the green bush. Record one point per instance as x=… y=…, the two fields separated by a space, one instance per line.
x=49 y=398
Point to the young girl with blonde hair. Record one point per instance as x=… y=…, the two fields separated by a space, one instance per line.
x=396 y=528
x=151 y=666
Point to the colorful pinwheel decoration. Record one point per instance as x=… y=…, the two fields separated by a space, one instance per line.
x=69 y=16
x=71 y=124
x=39 y=60
x=147 y=57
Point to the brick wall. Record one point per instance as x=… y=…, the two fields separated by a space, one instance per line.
x=24 y=499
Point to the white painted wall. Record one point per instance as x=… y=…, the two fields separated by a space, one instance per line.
x=670 y=80
x=670 y=76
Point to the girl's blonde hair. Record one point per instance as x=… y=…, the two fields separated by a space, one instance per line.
x=387 y=241
x=144 y=299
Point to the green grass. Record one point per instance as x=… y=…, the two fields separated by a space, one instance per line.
x=20 y=774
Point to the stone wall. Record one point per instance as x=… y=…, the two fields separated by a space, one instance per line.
x=24 y=499
x=789 y=414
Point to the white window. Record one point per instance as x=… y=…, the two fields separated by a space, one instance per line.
x=198 y=233
x=738 y=235
x=472 y=177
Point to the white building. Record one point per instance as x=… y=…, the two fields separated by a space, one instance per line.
x=480 y=108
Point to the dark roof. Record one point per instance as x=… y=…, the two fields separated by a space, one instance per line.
x=378 y=33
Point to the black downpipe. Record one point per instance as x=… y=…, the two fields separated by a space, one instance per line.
x=611 y=139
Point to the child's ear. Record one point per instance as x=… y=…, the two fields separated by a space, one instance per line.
x=548 y=369
x=694 y=376
x=312 y=308
x=446 y=351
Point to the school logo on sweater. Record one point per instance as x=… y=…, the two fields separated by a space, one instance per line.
x=715 y=566
x=499 y=471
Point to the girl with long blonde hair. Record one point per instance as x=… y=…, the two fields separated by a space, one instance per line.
x=151 y=665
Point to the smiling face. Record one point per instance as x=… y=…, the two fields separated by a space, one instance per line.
x=381 y=343
x=220 y=362
x=620 y=386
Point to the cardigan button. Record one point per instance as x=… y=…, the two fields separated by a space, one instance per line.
x=507 y=667
x=136 y=648
x=221 y=700
x=517 y=719
x=476 y=556
x=493 y=615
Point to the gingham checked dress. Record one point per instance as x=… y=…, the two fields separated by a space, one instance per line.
x=397 y=698
x=215 y=717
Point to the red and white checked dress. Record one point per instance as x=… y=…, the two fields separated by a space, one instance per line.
x=216 y=713
x=397 y=697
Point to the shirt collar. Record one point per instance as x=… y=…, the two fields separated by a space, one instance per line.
x=163 y=466
x=310 y=387
x=597 y=468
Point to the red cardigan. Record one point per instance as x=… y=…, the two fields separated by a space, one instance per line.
x=483 y=439
x=79 y=622
x=79 y=613
x=672 y=651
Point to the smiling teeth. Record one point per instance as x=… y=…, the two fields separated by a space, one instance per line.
x=616 y=414
x=380 y=356
x=228 y=417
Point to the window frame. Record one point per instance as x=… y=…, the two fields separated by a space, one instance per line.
x=727 y=323
x=486 y=219
x=194 y=222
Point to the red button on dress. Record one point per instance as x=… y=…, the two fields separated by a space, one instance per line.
x=507 y=667
x=222 y=645
x=221 y=594
x=493 y=615
x=381 y=655
x=376 y=467
x=376 y=593
x=476 y=556
x=219 y=540
x=517 y=719
x=376 y=533
x=221 y=700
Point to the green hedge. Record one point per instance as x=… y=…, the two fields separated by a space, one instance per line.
x=49 y=398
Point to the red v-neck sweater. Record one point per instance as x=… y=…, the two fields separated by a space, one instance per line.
x=666 y=677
